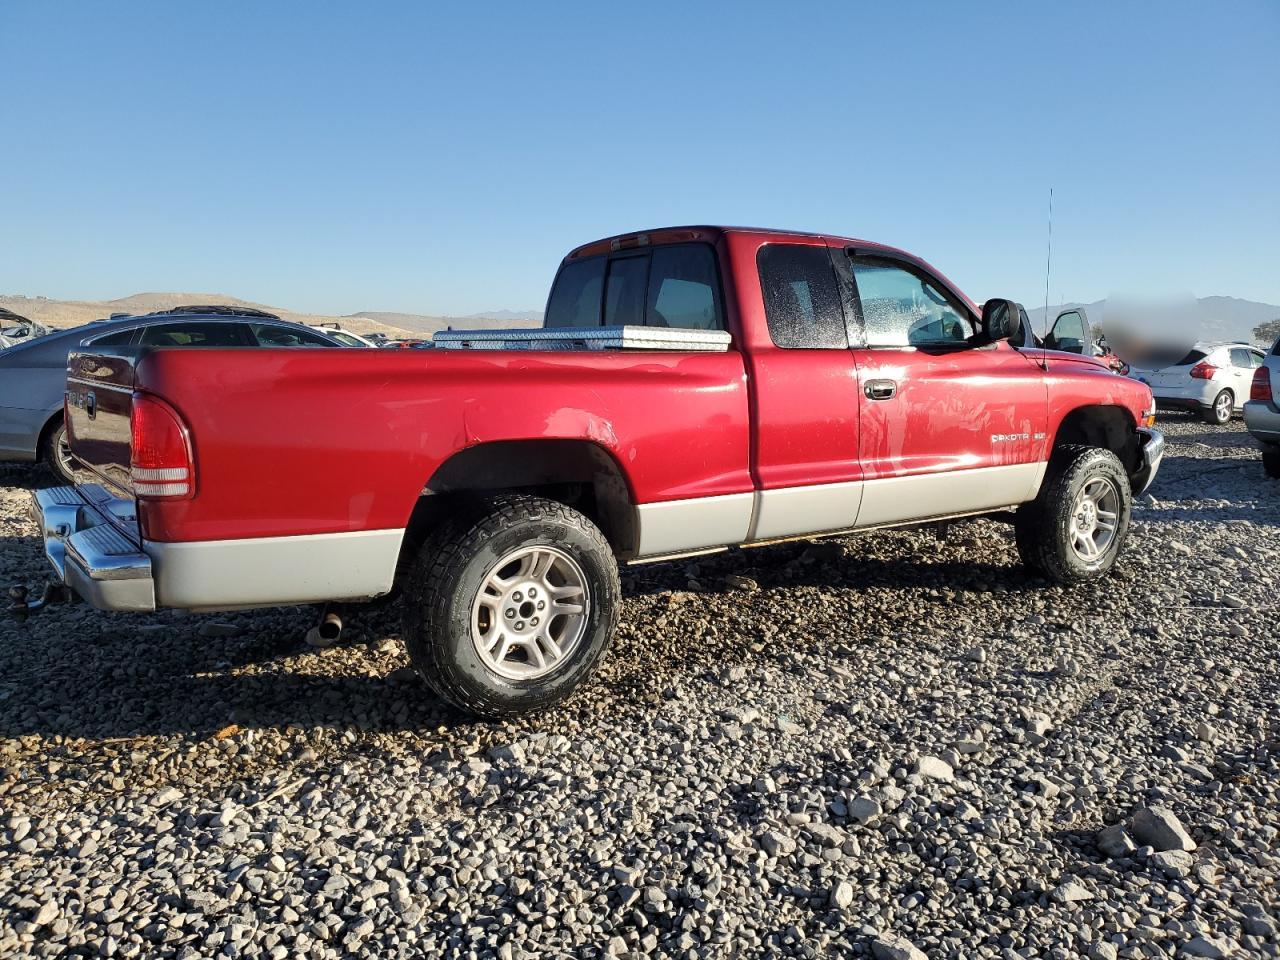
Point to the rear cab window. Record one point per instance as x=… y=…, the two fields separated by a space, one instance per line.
x=671 y=285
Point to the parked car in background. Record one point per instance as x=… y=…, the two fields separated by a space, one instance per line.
x=345 y=337
x=33 y=373
x=15 y=329
x=1211 y=379
x=1071 y=333
x=692 y=389
x=1262 y=410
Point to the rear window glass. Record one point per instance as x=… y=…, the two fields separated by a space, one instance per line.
x=673 y=285
x=1195 y=356
x=801 y=297
x=575 y=298
x=683 y=289
x=624 y=291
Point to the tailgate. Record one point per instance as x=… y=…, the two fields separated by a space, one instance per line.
x=99 y=401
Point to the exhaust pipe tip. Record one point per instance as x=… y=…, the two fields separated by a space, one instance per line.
x=325 y=633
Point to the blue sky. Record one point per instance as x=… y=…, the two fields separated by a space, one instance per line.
x=442 y=158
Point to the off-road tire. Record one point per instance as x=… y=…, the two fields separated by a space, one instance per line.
x=1271 y=461
x=447 y=574
x=1042 y=527
x=1212 y=413
x=51 y=452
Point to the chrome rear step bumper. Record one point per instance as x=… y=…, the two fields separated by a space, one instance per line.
x=90 y=554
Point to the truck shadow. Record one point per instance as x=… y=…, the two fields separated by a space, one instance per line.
x=75 y=673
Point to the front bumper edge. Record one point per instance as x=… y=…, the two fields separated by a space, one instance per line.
x=1152 y=454
x=89 y=554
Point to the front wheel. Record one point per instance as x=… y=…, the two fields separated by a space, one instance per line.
x=57 y=453
x=511 y=604
x=1074 y=529
x=1220 y=412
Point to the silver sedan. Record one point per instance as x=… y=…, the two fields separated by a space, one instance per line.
x=33 y=372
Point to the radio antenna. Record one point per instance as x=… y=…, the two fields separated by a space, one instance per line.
x=1048 y=261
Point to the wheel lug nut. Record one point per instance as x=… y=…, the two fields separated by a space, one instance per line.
x=510 y=613
x=519 y=624
x=533 y=592
x=533 y=622
x=517 y=596
x=541 y=604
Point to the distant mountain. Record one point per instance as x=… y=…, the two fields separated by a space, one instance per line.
x=72 y=313
x=1212 y=318
x=425 y=324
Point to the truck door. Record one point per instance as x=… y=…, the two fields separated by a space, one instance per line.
x=946 y=426
x=804 y=390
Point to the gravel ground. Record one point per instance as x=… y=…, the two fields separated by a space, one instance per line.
x=892 y=746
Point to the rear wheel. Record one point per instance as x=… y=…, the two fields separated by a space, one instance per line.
x=511 y=604
x=1271 y=461
x=56 y=452
x=1073 y=531
x=1220 y=412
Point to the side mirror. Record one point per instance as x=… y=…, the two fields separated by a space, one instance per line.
x=1001 y=320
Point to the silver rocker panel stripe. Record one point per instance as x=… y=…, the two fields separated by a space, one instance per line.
x=271 y=571
x=675 y=526
x=921 y=496
x=681 y=526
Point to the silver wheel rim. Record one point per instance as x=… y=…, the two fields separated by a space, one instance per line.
x=63 y=452
x=530 y=613
x=1224 y=406
x=1095 y=517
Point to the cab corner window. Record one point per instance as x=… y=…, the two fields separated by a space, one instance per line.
x=801 y=297
x=903 y=309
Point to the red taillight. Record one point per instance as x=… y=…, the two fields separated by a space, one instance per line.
x=160 y=451
x=1261 y=388
x=1204 y=370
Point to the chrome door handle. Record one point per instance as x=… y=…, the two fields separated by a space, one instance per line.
x=879 y=389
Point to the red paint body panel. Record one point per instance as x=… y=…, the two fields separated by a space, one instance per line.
x=319 y=441
x=948 y=408
x=290 y=442
x=804 y=402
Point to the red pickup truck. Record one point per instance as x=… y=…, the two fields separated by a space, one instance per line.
x=692 y=389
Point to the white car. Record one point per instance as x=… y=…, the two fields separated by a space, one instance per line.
x=1213 y=380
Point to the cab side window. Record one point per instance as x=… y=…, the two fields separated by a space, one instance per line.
x=901 y=308
x=802 y=303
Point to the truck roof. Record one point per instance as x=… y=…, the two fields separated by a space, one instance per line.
x=711 y=233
